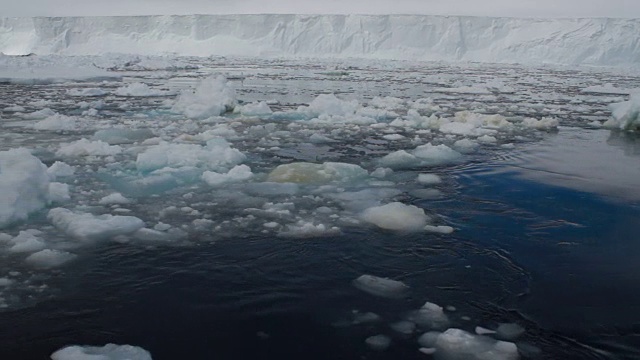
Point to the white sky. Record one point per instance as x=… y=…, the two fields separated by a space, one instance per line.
x=518 y=8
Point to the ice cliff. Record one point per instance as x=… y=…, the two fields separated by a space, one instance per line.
x=601 y=41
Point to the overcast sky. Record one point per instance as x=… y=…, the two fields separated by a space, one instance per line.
x=519 y=8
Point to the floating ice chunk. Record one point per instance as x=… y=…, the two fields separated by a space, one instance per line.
x=238 y=173
x=24 y=185
x=115 y=198
x=441 y=229
x=304 y=172
x=625 y=115
x=465 y=146
x=216 y=155
x=88 y=92
x=429 y=339
x=427 y=351
x=122 y=136
x=140 y=89
x=509 y=331
x=40 y=114
x=26 y=241
x=545 y=123
x=329 y=104
x=49 y=258
x=396 y=216
x=424 y=155
x=58 y=122
x=378 y=342
x=382 y=287
x=60 y=169
x=5 y=282
x=483 y=331
x=107 y=352
x=306 y=229
x=393 y=137
x=459 y=344
x=85 y=226
x=400 y=159
x=365 y=318
x=381 y=173
x=404 y=327
x=212 y=97
x=84 y=147
x=430 y=316
x=436 y=154
x=487 y=139
x=253 y=109
x=429 y=179
x=59 y=192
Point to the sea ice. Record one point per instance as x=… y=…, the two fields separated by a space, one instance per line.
x=423 y=155
x=24 y=185
x=115 y=198
x=382 y=287
x=404 y=327
x=212 y=97
x=396 y=216
x=27 y=242
x=256 y=109
x=625 y=115
x=122 y=136
x=216 y=155
x=60 y=169
x=456 y=344
x=237 y=173
x=107 y=352
x=378 y=342
x=84 y=147
x=304 y=172
x=85 y=226
x=59 y=192
x=49 y=258
x=430 y=316
x=58 y=122
x=429 y=179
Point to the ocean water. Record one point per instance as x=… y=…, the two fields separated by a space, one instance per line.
x=546 y=228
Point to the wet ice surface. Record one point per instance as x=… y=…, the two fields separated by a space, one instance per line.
x=438 y=182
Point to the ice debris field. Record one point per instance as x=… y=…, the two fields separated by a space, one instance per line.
x=179 y=151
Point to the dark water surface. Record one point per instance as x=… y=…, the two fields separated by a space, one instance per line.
x=563 y=263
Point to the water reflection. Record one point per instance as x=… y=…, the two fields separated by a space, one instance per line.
x=597 y=161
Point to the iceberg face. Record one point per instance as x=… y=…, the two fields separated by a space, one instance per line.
x=600 y=41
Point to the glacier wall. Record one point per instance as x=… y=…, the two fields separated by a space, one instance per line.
x=601 y=41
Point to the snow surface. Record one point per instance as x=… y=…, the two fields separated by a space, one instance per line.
x=597 y=41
